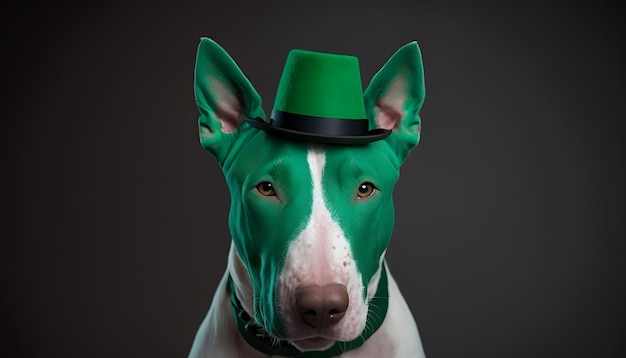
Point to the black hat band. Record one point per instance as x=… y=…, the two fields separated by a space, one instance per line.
x=331 y=127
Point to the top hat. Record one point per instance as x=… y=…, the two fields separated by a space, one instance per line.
x=320 y=99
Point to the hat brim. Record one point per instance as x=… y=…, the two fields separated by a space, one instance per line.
x=371 y=136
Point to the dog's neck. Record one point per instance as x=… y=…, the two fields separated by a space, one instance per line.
x=256 y=336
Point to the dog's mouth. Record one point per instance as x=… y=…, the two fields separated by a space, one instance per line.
x=303 y=344
x=316 y=343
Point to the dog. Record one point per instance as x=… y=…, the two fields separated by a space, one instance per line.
x=311 y=207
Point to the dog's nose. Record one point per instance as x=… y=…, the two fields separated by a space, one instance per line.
x=322 y=306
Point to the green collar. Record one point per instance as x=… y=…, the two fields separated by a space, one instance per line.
x=257 y=337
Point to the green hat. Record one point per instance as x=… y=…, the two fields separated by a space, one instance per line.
x=320 y=99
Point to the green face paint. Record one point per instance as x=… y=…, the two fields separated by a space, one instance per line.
x=273 y=222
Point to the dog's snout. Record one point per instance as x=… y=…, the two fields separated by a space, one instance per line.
x=322 y=306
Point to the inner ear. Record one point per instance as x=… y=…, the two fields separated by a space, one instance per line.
x=389 y=108
x=228 y=109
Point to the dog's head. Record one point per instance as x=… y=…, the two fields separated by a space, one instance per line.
x=310 y=222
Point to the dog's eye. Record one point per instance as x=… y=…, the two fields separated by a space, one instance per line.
x=365 y=190
x=266 y=189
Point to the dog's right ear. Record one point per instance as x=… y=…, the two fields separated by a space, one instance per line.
x=223 y=96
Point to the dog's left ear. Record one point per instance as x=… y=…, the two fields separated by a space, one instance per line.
x=394 y=97
x=224 y=96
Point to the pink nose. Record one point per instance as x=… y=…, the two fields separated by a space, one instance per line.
x=322 y=306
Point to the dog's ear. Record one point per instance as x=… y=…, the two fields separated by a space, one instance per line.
x=394 y=97
x=223 y=96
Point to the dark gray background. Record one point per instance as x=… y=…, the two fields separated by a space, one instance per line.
x=509 y=231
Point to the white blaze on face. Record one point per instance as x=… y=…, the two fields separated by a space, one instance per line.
x=321 y=255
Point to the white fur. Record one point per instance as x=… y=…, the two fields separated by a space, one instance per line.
x=321 y=255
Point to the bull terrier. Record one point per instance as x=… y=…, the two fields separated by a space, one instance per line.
x=311 y=205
